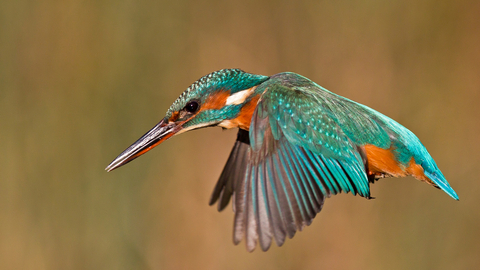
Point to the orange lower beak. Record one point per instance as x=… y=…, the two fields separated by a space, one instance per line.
x=158 y=134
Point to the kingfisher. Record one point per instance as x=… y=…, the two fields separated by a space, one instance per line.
x=297 y=144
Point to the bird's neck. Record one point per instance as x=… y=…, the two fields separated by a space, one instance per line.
x=245 y=116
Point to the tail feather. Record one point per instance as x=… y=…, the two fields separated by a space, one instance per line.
x=439 y=180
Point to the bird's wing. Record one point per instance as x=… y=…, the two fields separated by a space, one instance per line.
x=298 y=156
x=233 y=172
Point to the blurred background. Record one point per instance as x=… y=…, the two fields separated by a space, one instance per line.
x=82 y=80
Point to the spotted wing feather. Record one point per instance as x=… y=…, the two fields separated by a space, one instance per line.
x=306 y=145
x=287 y=177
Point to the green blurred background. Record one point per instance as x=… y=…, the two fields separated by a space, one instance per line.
x=82 y=80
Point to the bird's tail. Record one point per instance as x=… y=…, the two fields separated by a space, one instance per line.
x=408 y=145
x=439 y=180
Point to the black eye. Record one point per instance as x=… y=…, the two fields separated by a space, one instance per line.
x=191 y=106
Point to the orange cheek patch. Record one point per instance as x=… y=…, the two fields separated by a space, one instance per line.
x=245 y=116
x=216 y=101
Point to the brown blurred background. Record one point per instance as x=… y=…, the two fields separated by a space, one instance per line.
x=82 y=80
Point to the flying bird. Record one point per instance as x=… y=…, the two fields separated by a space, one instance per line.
x=297 y=145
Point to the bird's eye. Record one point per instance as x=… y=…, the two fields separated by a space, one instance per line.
x=191 y=106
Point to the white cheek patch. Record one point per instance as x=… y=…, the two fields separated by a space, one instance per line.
x=239 y=97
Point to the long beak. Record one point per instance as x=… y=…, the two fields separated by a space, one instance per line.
x=159 y=133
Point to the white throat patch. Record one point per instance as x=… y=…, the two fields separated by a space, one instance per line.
x=239 y=97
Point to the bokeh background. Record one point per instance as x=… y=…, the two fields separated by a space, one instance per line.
x=82 y=80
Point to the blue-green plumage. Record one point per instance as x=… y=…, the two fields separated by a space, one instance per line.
x=298 y=144
x=232 y=80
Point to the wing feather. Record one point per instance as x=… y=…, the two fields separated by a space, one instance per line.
x=304 y=145
x=250 y=222
x=297 y=157
x=233 y=172
x=278 y=224
x=263 y=214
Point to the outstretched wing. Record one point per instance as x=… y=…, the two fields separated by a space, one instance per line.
x=306 y=144
x=298 y=156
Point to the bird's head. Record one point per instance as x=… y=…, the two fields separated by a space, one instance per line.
x=223 y=98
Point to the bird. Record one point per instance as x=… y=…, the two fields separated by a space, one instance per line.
x=297 y=144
